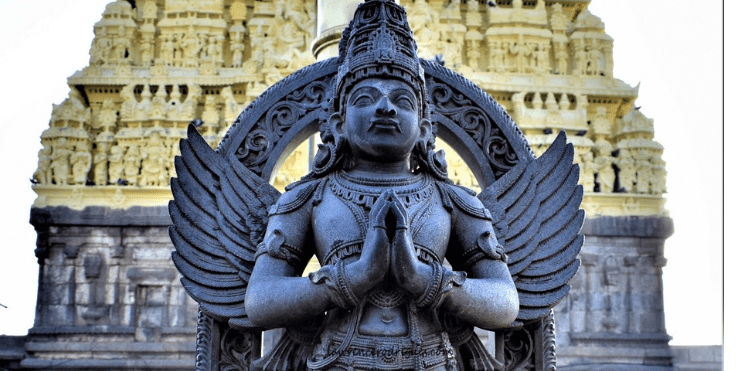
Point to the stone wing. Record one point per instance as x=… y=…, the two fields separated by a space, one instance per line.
x=536 y=207
x=219 y=213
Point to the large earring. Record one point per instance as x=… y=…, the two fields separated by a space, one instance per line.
x=437 y=165
x=325 y=159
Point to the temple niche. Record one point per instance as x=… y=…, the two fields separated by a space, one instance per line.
x=156 y=66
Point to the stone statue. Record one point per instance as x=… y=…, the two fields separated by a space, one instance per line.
x=43 y=173
x=100 y=165
x=604 y=162
x=132 y=162
x=116 y=165
x=626 y=171
x=81 y=161
x=522 y=51
x=643 y=171
x=61 y=152
x=588 y=168
x=154 y=158
x=380 y=213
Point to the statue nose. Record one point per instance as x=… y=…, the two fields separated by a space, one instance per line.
x=384 y=108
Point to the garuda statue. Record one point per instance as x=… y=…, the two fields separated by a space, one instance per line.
x=410 y=262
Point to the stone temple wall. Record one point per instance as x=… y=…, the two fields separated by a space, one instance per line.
x=109 y=296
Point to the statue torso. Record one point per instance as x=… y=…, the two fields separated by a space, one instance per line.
x=339 y=225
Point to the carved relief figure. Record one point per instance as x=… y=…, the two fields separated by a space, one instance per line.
x=167 y=51
x=121 y=45
x=100 y=165
x=594 y=59
x=562 y=58
x=147 y=50
x=101 y=47
x=659 y=175
x=154 y=158
x=542 y=57
x=588 y=168
x=231 y=108
x=643 y=171
x=580 y=67
x=61 y=152
x=43 y=173
x=521 y=50
x=424 y=23
x=132 y=163
x=81 y=161
x=498 y=56
x=116 y=165
x=190 y=46
x=604 y=161
x=626 y=171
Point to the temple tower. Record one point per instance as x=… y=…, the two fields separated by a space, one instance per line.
x=109 y=296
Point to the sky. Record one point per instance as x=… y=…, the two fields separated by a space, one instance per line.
x=672 y=47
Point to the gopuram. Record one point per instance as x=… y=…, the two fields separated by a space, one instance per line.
x=111 y=299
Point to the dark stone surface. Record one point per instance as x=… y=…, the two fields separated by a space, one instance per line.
x=629 y=226
x=101 y=216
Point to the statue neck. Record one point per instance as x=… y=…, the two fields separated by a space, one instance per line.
x=386 y=170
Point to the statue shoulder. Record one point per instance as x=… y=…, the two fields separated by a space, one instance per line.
x=460 y=199
x=298 y=194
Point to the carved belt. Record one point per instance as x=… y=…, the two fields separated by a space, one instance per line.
x=392 y=353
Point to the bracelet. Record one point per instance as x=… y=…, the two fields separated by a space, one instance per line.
x=433 y=286
x=441 y=281
x=348 y=295
x=334 y=277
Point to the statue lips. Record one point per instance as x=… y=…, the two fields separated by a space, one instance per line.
x=385 y=125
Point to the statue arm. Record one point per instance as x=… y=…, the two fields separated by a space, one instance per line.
x=489 y=287
x=491 y=290
x=277 y=295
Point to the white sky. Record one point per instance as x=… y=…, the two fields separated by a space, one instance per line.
x=673 y=47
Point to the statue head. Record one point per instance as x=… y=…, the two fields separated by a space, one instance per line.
x=378 y=56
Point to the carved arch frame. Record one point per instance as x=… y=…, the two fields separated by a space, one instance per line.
x=289 y=112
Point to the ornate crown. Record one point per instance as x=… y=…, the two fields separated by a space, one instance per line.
x=378 y=42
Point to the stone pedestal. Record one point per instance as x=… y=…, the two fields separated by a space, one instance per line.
x=109 y=296
x=614 y=315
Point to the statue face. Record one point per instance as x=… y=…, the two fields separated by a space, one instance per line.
x=382 y=122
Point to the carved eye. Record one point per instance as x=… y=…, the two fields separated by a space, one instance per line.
x=363 y=100
x=405 y=102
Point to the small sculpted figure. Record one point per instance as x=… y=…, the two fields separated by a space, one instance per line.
x=116 y=165
x=604 y=162
x=627 y=171
x=522 y=51
x=643 y=171
x=81 y=162
x=100 y=165
x=43 y=174
x=154 y=157
x=61 y=153
x=381 y=215
x=588 y=168
x=132 y=162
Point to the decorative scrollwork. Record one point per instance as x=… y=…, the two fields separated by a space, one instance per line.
x=519 y=347
x=236 y=350
x=204 y=330
x=270 y=128
x=548 y=329
x=475 y=121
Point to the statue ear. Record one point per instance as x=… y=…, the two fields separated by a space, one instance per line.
x=426 y=129
x=336 y=124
